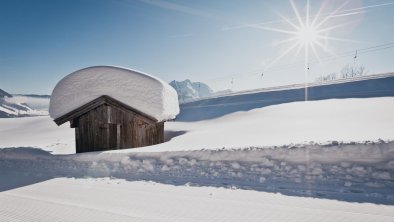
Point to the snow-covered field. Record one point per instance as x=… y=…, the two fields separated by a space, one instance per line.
x=330 y=160
x=40 y=132
x=104 y=199
x=341 y=120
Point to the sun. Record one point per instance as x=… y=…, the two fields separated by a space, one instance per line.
x=307 y=35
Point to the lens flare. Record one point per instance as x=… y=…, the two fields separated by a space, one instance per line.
x=307 y=35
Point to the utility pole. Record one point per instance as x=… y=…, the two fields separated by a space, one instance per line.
x=355 y=57
x=354 y=64
x=306 y=81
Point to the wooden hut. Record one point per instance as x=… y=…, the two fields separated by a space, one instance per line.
x=104 y=122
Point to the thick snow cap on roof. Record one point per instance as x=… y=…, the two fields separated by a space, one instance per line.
x=142 y=92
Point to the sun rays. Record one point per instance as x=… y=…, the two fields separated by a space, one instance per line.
x=307 y=33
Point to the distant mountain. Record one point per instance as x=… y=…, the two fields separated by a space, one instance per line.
x=188 y=90
x=33 y=95
x=18 y=106
x=4 y=94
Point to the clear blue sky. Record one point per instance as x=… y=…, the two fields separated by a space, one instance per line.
x=210 y=41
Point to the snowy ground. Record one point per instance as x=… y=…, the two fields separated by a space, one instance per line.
x=104 y=199
x=324 y=160
x=40 y=132
x=342 y=120
x=349 y=172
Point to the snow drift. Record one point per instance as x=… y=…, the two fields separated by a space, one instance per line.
x=143 y=92
x=361 y=172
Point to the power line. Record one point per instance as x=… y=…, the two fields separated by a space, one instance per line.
x=251 y=73
x=351 y=10
x=273 y=100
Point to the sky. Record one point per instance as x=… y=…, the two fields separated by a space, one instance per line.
x=227 y=44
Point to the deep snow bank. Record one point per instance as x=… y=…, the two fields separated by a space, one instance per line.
x=143 y=92
x=351 y=172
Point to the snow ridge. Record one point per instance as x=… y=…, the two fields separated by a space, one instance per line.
x=361 y=172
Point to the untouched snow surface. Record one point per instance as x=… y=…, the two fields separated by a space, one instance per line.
x=140 y=91
x=39 y=132
x=105 y=199
x=346 y=120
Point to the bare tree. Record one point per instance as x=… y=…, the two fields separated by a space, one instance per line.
x=352 y=71
x=331 y=76
x=360 y=70
x=345 y=71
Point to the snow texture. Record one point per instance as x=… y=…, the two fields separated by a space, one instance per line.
x=116 y=200
x=140 y=91
x=349 y=172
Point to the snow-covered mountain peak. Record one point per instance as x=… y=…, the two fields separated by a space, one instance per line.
x=4 y=94
x=188 y=90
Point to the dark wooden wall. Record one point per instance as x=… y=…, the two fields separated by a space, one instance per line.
x=108 y=127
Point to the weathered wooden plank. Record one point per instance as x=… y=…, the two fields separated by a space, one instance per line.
x=110 y=127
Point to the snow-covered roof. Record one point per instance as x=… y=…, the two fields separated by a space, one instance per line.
x=140 y=91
